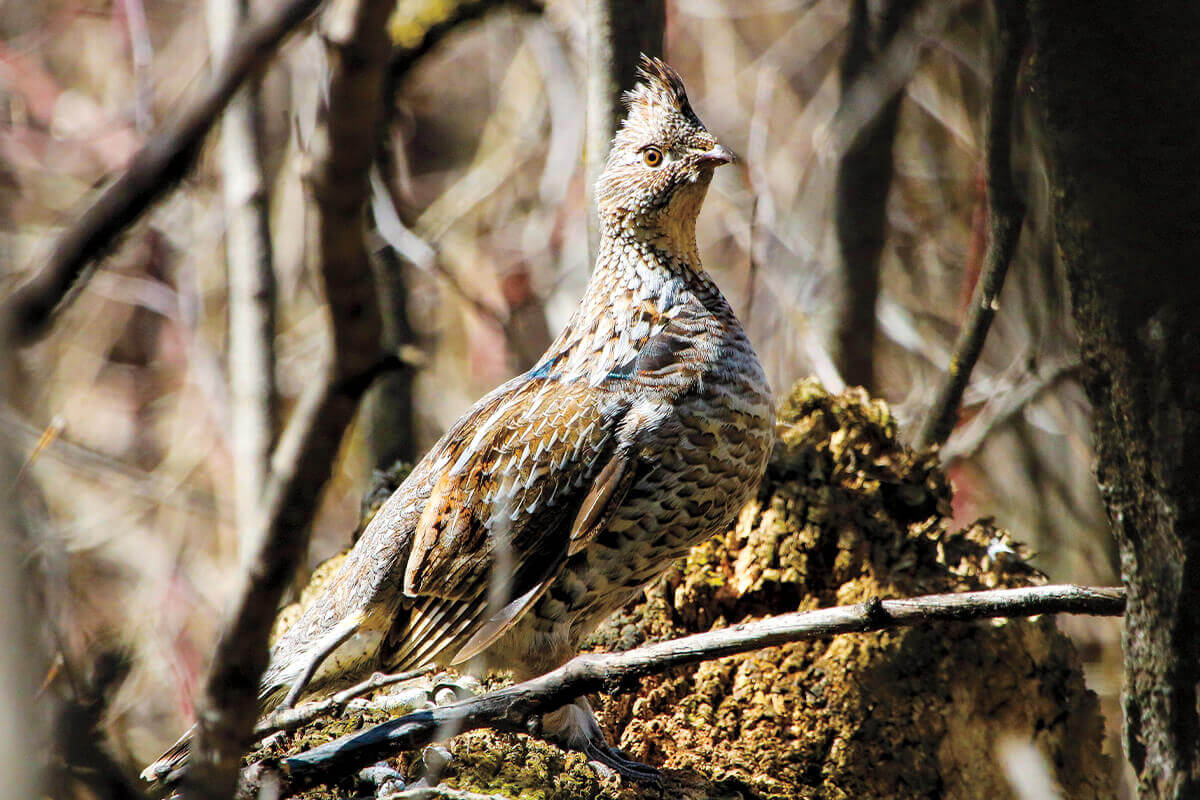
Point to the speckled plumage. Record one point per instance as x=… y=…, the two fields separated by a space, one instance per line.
x=642 y=431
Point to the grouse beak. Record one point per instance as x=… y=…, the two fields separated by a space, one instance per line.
x=717 y=156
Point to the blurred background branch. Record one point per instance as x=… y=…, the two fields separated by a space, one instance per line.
x=250 y=263
x=162 y=162
x=1005 y=215
x=391 y=432
x=863 y=183
x=19 y=656
x=618 y=33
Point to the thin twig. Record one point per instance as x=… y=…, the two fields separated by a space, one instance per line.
x=314 y=660
x=516 y=707
x=289 y=719
x=161 y=162
x=142 y=51
x=120 y=478
x=751 y=263
x=755 y=177
x=400 y=238
x=1006 y=213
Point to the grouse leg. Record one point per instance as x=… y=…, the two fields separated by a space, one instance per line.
x=336 y=639
x=574 y=727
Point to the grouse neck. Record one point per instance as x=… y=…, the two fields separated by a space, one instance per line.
x=649 y=266
x=672 y=237
x=634 y=291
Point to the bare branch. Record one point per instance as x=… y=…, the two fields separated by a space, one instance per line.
x=1006 y=214
x=357 y=48
x=249 y=260
x=79 y=733
x=390 y=407
x=424 y=39
x=161 y=162
x=516 y=708
x=887 y=74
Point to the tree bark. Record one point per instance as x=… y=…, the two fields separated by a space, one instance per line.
x=1115 y=85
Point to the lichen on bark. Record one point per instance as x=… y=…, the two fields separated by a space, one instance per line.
x=846 y=513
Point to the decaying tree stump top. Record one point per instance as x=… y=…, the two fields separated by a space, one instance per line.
x=846 y=513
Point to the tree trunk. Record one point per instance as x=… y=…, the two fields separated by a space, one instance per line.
x=1115 y=85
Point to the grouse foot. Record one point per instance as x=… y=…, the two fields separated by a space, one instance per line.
x=574 y=727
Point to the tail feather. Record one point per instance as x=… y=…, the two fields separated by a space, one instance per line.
x=167 y=768
x=289 y=664
x=335 y=643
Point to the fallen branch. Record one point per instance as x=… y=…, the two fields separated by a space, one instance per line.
x=161 y=162
x=289 y=719
x=518 y=708
x=1006 y=213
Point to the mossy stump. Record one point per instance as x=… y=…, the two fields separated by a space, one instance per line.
x=845 y=513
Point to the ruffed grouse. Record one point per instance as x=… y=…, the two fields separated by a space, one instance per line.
x=642 y=431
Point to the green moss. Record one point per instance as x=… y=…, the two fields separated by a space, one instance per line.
x=524 y=769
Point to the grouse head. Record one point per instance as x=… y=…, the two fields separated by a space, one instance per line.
x=661 y=162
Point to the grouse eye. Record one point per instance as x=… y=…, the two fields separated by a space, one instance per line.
x=652 y=156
